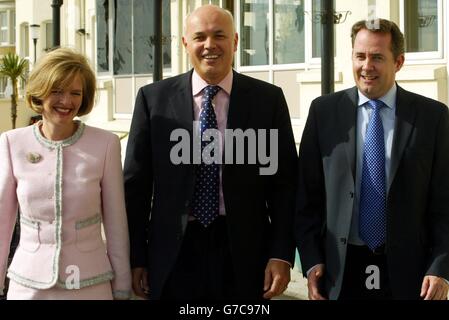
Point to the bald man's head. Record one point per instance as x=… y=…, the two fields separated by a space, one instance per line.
x=210 y=40
x=208 y=7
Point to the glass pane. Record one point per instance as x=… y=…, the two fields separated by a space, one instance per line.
x=166 y=32
x=4 y=36
x=3 y=19
x=24 y=40
x=102 y=35
x=254 y=32
x=13 y=24
x=316 y=29
x=143 y=32
x=421 y=25
x=3 y=82
x=143 y=35
x=288 y=31
x=122 y=37
x=49 y=35
x=191 y=5
x=216 y=2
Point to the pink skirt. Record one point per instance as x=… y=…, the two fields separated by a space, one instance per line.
x=101 y=291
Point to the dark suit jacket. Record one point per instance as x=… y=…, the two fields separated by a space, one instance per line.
x=417 y=202
x=259 y=209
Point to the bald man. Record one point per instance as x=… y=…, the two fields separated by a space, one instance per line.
x=202 y=229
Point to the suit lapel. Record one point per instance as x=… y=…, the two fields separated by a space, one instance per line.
x=181 y=102
x=239 y=103
x=405 y=119
x=346 y=117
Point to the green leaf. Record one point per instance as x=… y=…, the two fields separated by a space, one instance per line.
x=13 y=66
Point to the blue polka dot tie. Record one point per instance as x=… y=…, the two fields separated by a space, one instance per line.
x=205 y=200
x=373 y=205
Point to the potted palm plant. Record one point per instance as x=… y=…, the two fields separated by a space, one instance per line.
x=14 y=68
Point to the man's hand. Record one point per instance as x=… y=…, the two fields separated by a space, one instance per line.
x=140 y=282
x=277 y=277
x=313 y=282
x=434 y=288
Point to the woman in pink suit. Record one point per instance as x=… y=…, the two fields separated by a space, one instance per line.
x=65 y=181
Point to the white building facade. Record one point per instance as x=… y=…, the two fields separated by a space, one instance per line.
x=279 y=42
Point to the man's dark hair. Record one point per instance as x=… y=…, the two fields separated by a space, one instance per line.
x=382 y=26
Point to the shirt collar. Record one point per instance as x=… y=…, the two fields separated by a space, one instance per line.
x=198 y=84
x=389 y=99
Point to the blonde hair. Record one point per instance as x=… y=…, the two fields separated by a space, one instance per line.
x=57 y=69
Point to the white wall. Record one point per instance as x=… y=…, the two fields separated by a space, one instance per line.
x=32 y=12
x=431 y=80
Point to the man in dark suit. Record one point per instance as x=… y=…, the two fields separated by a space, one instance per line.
x=373 y=197
x=208 y=230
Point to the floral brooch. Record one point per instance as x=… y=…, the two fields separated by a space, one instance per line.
x=34 y=157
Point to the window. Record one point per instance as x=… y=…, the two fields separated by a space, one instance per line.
x=421 y=21
x=7 y=27
x=131 y=35
x=294 y=26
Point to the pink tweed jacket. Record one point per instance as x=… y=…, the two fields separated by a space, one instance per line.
x=64 y=192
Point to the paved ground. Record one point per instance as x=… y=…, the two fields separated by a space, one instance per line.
x=297 y=288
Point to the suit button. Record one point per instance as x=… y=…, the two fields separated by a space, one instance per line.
x=351 y=194
x=343 y=240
